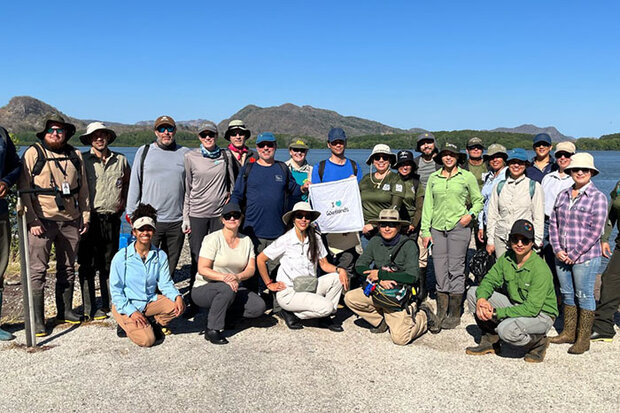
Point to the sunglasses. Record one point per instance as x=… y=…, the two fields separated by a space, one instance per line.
x=336 y=143
x=536 y=145
x=163 y=129
x=231 y=215
x=206 y=135
x=237 y=132
x=302 y=215
x=475 y=147
x=57 y=130
x=266 y=144
x=522 y=240
x=583 y=170
x=146 y=228
x=299 y=150
x=388 y=225
x=381 y=158
x=566 y=155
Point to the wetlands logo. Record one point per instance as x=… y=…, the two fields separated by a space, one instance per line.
x=336 y=209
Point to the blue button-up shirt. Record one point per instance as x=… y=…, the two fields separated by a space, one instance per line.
x=133 y=282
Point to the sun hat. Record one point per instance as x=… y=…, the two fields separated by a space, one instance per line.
x=542 y=137
x=164 y=120
x=388 y=215
x=518 y=154
x=231 y=207
x=404 y=156
x=300 y=206
x=56 y=118
x=452 y=148
x=425 y=136
x=381 y=148
x=495 y=149
x=582 y=160
x=142 y=221
x=336 y=134
x=265 y=137
x=568 y=147
x=298 y=144
x=236 y=124
x=208 y=126
x=523 y=227
x=95 y=126
x=474 y=141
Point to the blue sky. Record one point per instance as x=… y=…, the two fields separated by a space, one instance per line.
x=441 y=66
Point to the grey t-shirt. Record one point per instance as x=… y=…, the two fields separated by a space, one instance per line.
x=425 y=169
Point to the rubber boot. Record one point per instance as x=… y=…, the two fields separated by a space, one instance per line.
x=87 y=286
x=584 y=330
x=454 y=312
x=422 y=293
x=38 y=303
x=442 y=310
x=489 y=344
x=536 y=348
x=64 y=306
x=570 y=326
x=4 y=335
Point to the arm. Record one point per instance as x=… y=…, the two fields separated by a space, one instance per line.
x=188 y=188
x=554 y=235
x=419 y=203
x=363 y=262
x=427 y=209
x=597 y=224
x=612 y=216
x=125 y=190
x=410 y=269
x=13 y=164
x=474 y=195
x=331 y=268
x=492 y=215
x=83 y=196
x=25 y=182
x=134 y=184
x=237 y=194
x=492 y=281
x=117 y=285
x=538 y=213
x=540 y=285
x=261 y=263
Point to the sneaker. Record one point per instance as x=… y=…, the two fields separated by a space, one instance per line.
x=120 y=333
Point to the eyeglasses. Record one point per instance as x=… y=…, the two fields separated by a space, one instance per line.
x=59 y=131
x=237 y=132
x=266 y=144
x=336 y=143
x=163 y=129
x=299 y=150
x=520 y=239
x=566 y=155
x=381 y=157
x=206 y=135
x=231 y=215
x=303 y=215
x=388 y=225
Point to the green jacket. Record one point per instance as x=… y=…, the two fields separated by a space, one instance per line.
x=378 y=254
x=445 y=201
x=389 y=194
x=529 y=288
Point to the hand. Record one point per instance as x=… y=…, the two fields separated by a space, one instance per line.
x=4 y=188
x=276 y=286
x=179 y=306
x=484 y=309
x=427 y=241
x=139 y=318
x=490 y=249
x=410 y=229
x=481 y=235
x=372 y=275
x=387 y=283
x=606 y=249
x=344 y=278
x=37 y=230
x=367 y=228
x=185 y=227
x=84 y=228
x=230 y=278
x=304 y=187
x=562 y=256
x=465 y=220
x=234 y=285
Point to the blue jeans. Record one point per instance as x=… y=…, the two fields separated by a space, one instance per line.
x=577 y=280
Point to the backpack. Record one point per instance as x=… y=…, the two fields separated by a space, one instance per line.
x=397 y=298
x=324 y=162
x=70 y=154
x=246 y=173
x=501 y=183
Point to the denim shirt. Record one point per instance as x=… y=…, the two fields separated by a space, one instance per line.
x=10 y=168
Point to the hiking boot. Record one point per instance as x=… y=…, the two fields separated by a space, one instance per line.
x=536 y=348
x=489 y=344
x=380 y=329
x=584 y=331
x=99 y=315
x=120 y=332
x=570 y=326
x=432 y=322
x=215 y=337
x=292 y=321
x=4 y=335
x=442 y=310
x=330 y=324
x=454 y=312
x=601 y=337
x=64 y=305
x=39 y=314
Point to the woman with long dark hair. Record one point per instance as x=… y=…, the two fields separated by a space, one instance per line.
x=298 y=290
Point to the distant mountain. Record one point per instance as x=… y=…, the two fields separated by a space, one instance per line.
x=24 y=113
x=556 y=136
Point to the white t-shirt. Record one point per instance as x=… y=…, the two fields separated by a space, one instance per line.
x=293 y=255
x=225 y=259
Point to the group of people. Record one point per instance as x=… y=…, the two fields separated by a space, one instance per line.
x=254 y=243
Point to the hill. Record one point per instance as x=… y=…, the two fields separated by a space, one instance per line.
x=556 y=136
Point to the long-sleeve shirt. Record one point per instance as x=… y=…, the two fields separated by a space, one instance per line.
x=10 y=168
x=490 y=180
x=446 y=199
x=163 y=183
x=385 y=194
x=612 y=217
x=108 y=182
x=576 y=227
x=134 y=283
x=515 y=202
x=411 y=209
x=536 y=174
x=529 y=287
x=377 y=255
x=552 y=185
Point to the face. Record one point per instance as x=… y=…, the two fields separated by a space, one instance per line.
x=405 y=168
x=55 y=135
x=563 y=159
x=266 y=150
x=298 y=154
x=520 y=244
x=449 y=159
x=388 y=230
x=143 y=235
x=496 y=163
x=232 y=220
x=302 y=220
x=337 y=147
x=100 y=139
x=542 y=149
x=381 y=162
x=581 y=176
x=517 y=168
x=237 y=138
x=207 y=139
x=165 y=134
x=427 y=147
x=475 y=152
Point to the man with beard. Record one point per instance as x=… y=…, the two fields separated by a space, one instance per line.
x=158 y=179
x=55 y=197
x=474 y=163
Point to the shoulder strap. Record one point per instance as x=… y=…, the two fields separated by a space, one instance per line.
x=532 y=188
x=145 y=150
x=397 y=250
x=246 y=172
x=322 y=169
x=500 y=185
x=354 y=166
x=226 y=162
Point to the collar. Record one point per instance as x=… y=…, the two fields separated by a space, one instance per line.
x=304 y=168
x=512 y=259
x=390 y=243
x=92 y=154
x=131 y=251
x=585 y=189
x=459 y=170
x=515 y=181
x=556 y=175
x=294 y=240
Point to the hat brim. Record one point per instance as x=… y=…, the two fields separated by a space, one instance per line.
x=504 y=156
x=246 y=132
x=68 y=126
x=287 y=217
x=372 y=155
x=527 y=161
x=395 y=221
x=298 y=147
x=461 y=157
x=592 y=169
x=85 y=139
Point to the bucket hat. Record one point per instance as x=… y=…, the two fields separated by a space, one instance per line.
x=336 y=134
x=518 y=154
x=452 y=148
x=164 y=120
x=300 y=206
x=474 y=141
x=236 y=124
x=495 y=149
x=56 y=118
x=93 y=127
x=208 y=126
x=582 y=160
x=388 y=215
x=424 y=137
x=568 y=147
x=404 y=156
x=265 y=137
x=381 y=148
x=298 y=144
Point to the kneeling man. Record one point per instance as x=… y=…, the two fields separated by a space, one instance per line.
x=525 y=314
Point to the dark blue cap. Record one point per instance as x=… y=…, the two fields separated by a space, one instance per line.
x=230 y=207
x=336 y=134
x=265 y=137
x=542 y=137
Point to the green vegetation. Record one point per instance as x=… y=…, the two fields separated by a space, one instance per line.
x=604 y=143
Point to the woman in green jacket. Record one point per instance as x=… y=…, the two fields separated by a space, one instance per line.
x=447 y=226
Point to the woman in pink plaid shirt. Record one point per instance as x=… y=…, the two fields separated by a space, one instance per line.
x=575 y=228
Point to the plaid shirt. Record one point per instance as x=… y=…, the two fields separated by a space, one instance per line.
x=577 y=229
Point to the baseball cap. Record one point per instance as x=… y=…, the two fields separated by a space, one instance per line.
x=475 y=141
x=164 y=120
x=265 y=137
x=523 y=227
x=542 y=137
x=336 y=134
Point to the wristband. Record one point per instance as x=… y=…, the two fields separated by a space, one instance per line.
x=269 y=283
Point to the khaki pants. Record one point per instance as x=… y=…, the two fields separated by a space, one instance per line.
x=423 y=258
x=321 y=304
x=162 y=310
x=403 y=329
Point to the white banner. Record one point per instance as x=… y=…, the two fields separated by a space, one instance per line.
x=340 y=205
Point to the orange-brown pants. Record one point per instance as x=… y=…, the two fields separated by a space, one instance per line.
x=163 y=311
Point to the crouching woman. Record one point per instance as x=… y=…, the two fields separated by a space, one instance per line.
x=136 y=273
x=299 y=292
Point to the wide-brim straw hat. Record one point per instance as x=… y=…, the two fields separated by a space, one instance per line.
x=237 y=124
x=582 y=160
x=495 y=149
x=379 y=149
x=93 y=127
x=388 y=215
x=56 y=118
x=451 y=148
x=301 y=206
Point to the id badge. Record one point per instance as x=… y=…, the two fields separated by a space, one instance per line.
x=66 y=189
